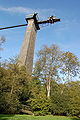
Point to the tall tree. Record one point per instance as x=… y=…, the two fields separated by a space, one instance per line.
x=47 y=65
x=70 y=65
x=14 y=88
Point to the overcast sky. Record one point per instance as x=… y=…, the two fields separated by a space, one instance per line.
x=66 y=34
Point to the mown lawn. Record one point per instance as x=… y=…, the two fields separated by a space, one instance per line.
x=26 y=117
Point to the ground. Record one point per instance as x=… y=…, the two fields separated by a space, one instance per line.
x=27 y=117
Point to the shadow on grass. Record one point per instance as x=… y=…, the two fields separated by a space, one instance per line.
x=5 y=117
x=75 y=118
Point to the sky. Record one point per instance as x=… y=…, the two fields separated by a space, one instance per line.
x=65 y=34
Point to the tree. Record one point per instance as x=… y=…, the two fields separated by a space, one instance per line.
x=73 y=89
x=70 y=65
x=65 y=98
x=58 y=99
x=47 y=65
x=14 y=88
x=8 y=100
x=39 y=103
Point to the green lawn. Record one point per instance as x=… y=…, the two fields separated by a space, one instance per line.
x=26 y=117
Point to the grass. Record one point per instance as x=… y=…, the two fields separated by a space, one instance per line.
x=27 y=117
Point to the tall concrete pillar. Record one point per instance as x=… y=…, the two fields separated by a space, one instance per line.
x=27 y=49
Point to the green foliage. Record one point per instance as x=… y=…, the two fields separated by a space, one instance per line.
x=8 y=103
x=40 y=105
x=41 y=93
x=47 y=65
x=66 y=99
x=74 y=98
x=38 y=101
x=57 y=99
x=48 y=62
x=70 y=65
x=14 y=88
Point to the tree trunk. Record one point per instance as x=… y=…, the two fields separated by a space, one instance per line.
x=48 y=88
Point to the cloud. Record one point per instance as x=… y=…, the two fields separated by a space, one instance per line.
x=66 y=22
x=16 y=9
x=23 y=10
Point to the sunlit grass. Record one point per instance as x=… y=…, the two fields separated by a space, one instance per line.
x=26 y=117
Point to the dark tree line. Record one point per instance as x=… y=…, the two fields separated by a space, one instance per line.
x=49 y=90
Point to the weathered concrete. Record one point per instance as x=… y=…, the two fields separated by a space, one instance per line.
x=27 y=49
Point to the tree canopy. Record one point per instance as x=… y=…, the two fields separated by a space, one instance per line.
x=43 y=92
